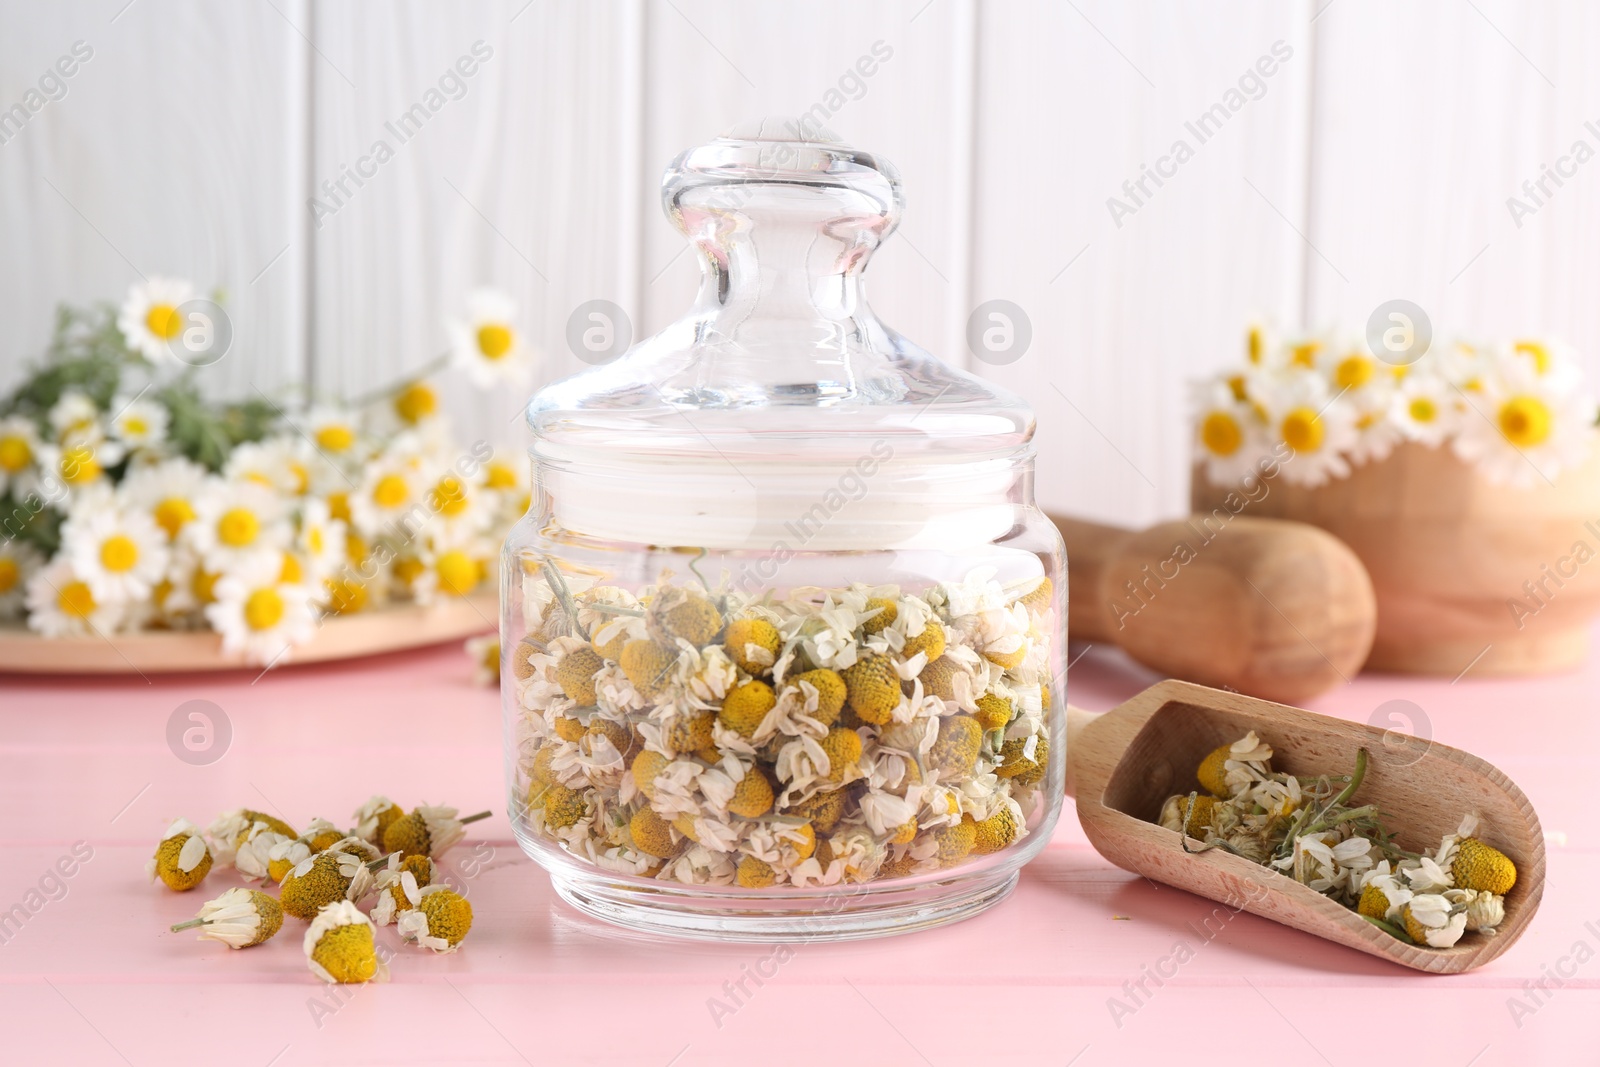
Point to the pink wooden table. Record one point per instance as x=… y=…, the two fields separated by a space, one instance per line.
x=92 y=976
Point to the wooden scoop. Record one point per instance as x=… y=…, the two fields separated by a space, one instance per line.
x=1123 y=765
x=1281 y=610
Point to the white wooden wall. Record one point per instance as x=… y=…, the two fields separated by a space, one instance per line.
x=1376 y=164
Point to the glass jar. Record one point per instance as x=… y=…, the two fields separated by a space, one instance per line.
x=783 y=625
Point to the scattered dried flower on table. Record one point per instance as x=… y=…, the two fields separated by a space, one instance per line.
x=239 y=918
x=339 y=946
x=183 y=858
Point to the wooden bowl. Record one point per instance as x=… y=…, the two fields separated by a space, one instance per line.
x=1466 y=573
x=166 y=652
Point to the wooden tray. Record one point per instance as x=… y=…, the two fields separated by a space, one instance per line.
x=161 y=652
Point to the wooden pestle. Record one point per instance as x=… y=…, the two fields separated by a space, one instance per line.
x=1275 y=609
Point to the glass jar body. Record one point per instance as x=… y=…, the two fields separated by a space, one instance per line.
x=785 y=738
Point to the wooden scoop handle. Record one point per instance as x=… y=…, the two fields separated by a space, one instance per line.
x=1276 y=609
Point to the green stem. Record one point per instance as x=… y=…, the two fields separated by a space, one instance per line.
x=189 y=925
x=1391 y=929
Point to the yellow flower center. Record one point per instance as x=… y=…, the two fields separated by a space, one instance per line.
x=290 y=572
x=1525 y=421
x=449 y=497
x=134 y=426
x=75 y=599
x=1236 y=387
x=355 y=548
x=346 y=596
x=416 y=402
x=315 y=540
x=406 y=570
x=391 y=491
x=1305 y=354
x=1302 y=430
x=491 y=656
x=203 y=586
x=500 y=476
x=1423 y=410
x=1255 y=346
x=458 y=572
x=163 y=321
x=1537 y=352
x=263 y=609
x=171 y=514
x=118 y=553
x=238 y=527
x=301 y=476
x=1220 y=433
x=1367 y=420
x=79 y=465
x=9 y=574
x=339 y=506
x=336 y=437
x=494 y=341
x=1354 y=371
x=15 y=454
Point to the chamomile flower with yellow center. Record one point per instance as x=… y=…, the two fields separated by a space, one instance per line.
x=79 y=464
x=399 y=884
x=1317 y=426
x=236 y=523
x=320 y=540
x=485 y=655
x=149 y=319
x=239 y=918
x=415 y=404
x=440 y=920
x=505 y=479
x=428 y=831
x=1425 y=409
x=1521 y=430
x=374 y=817
x=451 y=567
x=1550 y=360
x=339 y=946
x=61 y=604
x=486 y=343
x=335 y=431
x=322 y=879
x=139 y=422
x=258 y=614
x=1228 y=433
x=75 y=417
x=281 y=464
x=120 y=552
x=19 y=449
x=389 y=490
x=456 y=504
x=182 y=859
x=18 y=563
x=168 y=490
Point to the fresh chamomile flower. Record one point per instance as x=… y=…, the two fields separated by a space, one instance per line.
x=281 y=463
x=322 y=879
x=236 y=523
x=258 y=614
x=428 y=831
x=168 y=490
x=335 y=431
x=389 y=492
x=415 y=403
x=139 y=422
x=149 y=319
x=339 y=946
x=19 y=449
x=450 y=567
x=486 y=344
x=440 y=920
x=18 y=563
x=507 y=479
x=1521 y=430
x=119 y=551
x=457 y=505
x=182 y=859
x=1316 y=424
x=483 y=651
x=1228 y=431
x=321 y=541
x=1426 y=409
x=1550 y=360
x=239 y=918
x=75 y=417
x=79 y=464
x=61 y=604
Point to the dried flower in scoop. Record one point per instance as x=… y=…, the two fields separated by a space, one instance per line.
x=441 y=918
x=182 y=859
x=239 y=918
x=339 y=946
x=322 y=880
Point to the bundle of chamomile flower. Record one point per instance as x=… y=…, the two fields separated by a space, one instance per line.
x=1312 y=831
x=323 y=874
x=132 y=501
x=1318 y=406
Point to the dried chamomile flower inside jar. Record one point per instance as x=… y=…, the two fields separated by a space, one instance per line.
x=400 y=886
x=239 y=918
x=232 y=828
x=427 y=831
x=182 y=859
x=322 y=880
x=374 y=817
x=440 y=920
x=339 y=946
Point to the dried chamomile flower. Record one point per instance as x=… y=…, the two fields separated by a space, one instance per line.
x=1482 y=867
x=427 y=831
x=339 y=946
x=1193 y=814
x=575 y=674
x=931 y=642
x=956 y=749
x=683 y=614
x=374 y=817
x=1430 y=919
x=254 y=856
x=652 y=835
x=286 y=854
x=440 y=920
x=754 y=873
x=996 y=832
x=182 y=859
x=239 y=918
x=321 y=880
x=753 y=644
x=1024 y=760
x=648 y=666
x=355 y=846
x=232 y=828
x=400 y=886
x=320 y=834
x=647 y=767
x=746 y=706
x=872 y=688
x=1485 y=911
x=831 y=692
